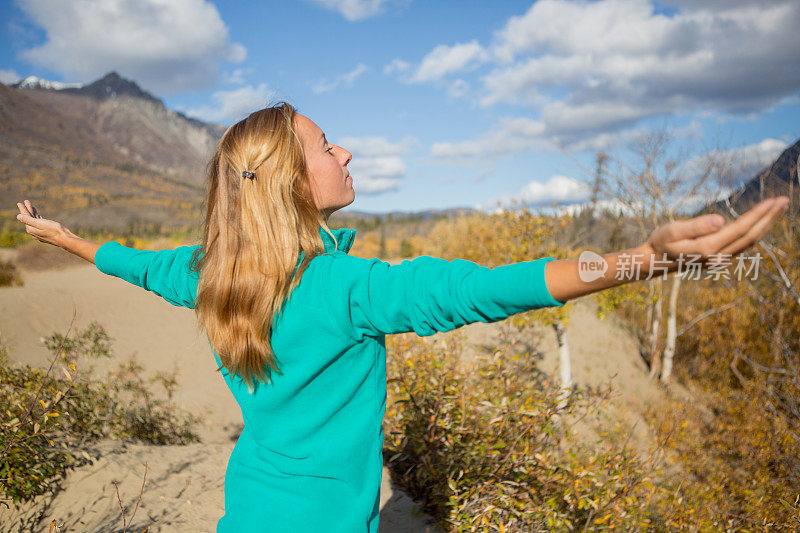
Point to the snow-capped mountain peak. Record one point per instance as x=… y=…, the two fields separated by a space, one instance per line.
x=32 y=82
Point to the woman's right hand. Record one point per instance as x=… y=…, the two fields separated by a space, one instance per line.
x=40 y=228
x=708 y=235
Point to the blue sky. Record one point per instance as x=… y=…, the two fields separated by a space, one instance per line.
x=447 y=103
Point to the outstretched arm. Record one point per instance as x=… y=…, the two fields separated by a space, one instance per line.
x=163 y=272
x=429 y=294
x=52 y=232
x=704 y=236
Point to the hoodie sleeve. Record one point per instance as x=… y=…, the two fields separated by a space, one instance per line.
x=163 y=272
x=428 y=294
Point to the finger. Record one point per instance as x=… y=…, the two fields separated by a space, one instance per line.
x=685 y=230
x=735 y=230
x=682 y=232
x=757 y=231
x=716 y=238
x=23 y=209
x=32 y=209
x=740 y=234
x=28 y=220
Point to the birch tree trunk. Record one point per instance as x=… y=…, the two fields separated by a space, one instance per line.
x=564 y=369
x=672 y=330
x=655 y=355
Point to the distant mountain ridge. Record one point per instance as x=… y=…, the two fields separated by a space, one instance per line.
x=424 y=214
x=111 y=85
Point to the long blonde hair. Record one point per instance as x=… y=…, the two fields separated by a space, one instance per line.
x=253 y=234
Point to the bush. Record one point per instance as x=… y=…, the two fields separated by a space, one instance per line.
x=733 y=471
x=48 y=420
x=9 y=275
x=12 y=238
x=490 y=450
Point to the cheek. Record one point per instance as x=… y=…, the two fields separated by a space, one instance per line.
x=319 y=171
x=333 y=172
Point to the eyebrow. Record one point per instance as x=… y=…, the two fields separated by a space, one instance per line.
x=324 y=139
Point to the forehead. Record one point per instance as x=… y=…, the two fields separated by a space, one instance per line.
x=308 y=131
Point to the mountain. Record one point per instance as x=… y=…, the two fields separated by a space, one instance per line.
x=112 y=85
x=778 y=179
x=32 y=82
x=103 y=154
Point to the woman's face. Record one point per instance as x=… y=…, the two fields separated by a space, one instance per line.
x=331 y=183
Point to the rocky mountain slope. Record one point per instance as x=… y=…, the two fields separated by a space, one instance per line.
x=100 y=155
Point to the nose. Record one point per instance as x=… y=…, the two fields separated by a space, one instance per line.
x=348 y=156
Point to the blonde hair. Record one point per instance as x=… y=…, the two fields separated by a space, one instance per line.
x=253 y=234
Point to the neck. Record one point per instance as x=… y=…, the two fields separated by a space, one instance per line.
x=326 y=213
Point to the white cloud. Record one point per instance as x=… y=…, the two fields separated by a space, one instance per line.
x=354 y=10
x=703 y=5
x=762 y=153
x=377 y=146
x=444 y=60
x=377 y=165
x=374 y=167
x=345 y=80
x=458 y=88
x=9 y=76
x=558 y=189
x=518 y=134
x=617 y=61
x=376 y=185
x=166 y=47
x=737 y=165
x=508 y=135
x=564 y=28
x=237 y=76
x=397 y=65
x=232 y=106
x=590 y=70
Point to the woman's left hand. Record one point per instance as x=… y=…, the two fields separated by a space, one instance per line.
x=40 y=228
x=706 y=236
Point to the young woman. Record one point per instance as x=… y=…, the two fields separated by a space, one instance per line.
x=297 y=325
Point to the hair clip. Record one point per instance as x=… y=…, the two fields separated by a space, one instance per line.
x=248 y=174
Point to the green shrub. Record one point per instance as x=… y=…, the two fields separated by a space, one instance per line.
x=10 y=239
x=49 y=417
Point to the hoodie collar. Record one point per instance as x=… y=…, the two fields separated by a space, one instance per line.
x=344 y=238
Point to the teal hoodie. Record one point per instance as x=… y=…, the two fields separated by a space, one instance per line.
x=310 y=456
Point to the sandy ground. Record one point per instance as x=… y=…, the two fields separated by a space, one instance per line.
x=184 y=490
